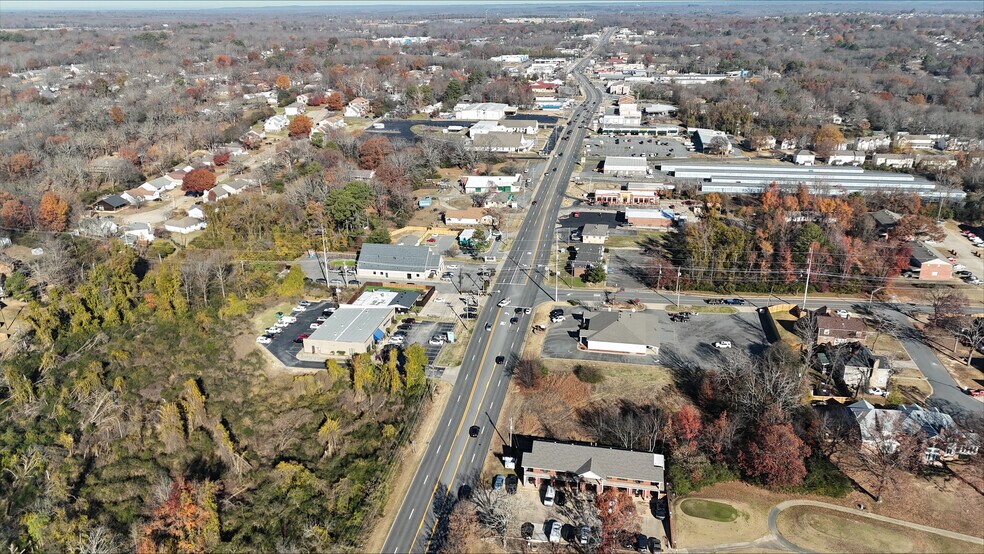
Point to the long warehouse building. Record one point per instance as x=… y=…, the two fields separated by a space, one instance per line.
x=830 y=180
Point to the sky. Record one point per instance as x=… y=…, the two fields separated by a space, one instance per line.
x=166 y=5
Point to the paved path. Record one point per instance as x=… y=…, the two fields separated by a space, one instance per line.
x=774 y=514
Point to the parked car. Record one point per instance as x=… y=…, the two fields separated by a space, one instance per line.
x=842 y=313
x=878 y=391
x=288 y=319
x=526 y=531
x=549 y=495
x=314 y=325
x=322 y=318
x=976 y=392
x=722 y=344
x=655 y=545
x=555 y=528
x=660 y=511
x=304 y=303
x=274 y=330
x=336 y=282
x=263 y=339
x=527 y=311
x=498 y=481
x=282 y=323
x=512 y=484
x=436 y=340
x=642 y=543
x=557 y=319
x=300 y=338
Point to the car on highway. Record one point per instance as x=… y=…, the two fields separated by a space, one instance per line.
x=714 y=301
x=488 y=326
x=723 y=344
x=735 y=302
x=534 y=203
x=503 y=303
x=263 y=339
x=499 y=360
x=474 y=430
x=513 y=320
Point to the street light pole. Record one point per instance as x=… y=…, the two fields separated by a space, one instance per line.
x=678 y=289
x=872 y=295
x=809 y=265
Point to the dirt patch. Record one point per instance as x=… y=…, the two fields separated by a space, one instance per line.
x=409 y=461
x=825 y=530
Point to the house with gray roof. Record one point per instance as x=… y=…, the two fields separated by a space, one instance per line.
x=885 y=220
x=597 y=467
x=620 y=333
x=393 y=261
x=937 y=432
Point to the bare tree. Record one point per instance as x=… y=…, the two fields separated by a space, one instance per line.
x=887 y=455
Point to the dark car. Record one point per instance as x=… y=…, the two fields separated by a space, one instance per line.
x=526 y=531
x=513 y=320
x=500 y=359
x=735 y=302
x=655 y=545
x=473 y=431
x=409 y=320
x=583 y=534
x=642 y=543
x=660 y=511
x=512 y=483
x=713 y=301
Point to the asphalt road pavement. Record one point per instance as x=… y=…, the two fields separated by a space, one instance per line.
x=452 y=457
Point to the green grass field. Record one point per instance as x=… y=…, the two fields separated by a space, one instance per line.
x=708 y=509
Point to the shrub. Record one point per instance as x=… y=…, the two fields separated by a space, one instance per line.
x=824 y=478
x=685 y=482
x=589 y=374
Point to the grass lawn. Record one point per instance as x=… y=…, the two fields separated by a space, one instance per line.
x=452 y=354
x=340 y=263
x=703 y=309
x=708 y=509
x=823 y=530
x=641 y=238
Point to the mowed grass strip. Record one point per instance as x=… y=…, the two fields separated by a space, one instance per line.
x=708 y=509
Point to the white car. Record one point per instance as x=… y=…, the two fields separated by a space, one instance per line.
x=273 y=330
x=877 y=390
x=503 y=303
x=298 y=309
x=314 y=325
x=527 y=311
x=263 y=339
x=958 y=267
x=435 y=341
x=722 y=344
x=397 y=339
x=558 y=319
x=288 y=319
x=842 y=313
x=281 y=323
x=453 y=266
x=304 y=303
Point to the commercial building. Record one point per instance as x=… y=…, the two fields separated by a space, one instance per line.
x=594 y=233
x=493 y=111
x=478 y=184
x=649 y=219
x=501 y=141
x=624 y=166
x=709 y=140
x=350 y=330
x=931 y=266
x=899 y=161
x=593 y=468
x=846 y=157
x=392 y=261
x=619 y=332
x=401 y=300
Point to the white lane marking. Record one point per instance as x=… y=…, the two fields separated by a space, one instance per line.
x=473 y=457
x=490 y=405
x=439 y=447
x=411 y=513
x=459 y=399
x=449 y=423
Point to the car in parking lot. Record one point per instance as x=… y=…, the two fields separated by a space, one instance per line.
x=723 y=344
x=283 y=322
x=304 y=303
x=557 y=319
x=436 y=340
x=397 y=339
x=263 y=339
x=300 y=338
x=298 y=309
x=314 y=325
x=336 y=282
x=322 y=318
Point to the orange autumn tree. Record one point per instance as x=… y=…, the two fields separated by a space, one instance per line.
x=198 y=180
x=53 y=212
x=187 y=521
x=300 y=126
x=282 y=82
x=618 y=514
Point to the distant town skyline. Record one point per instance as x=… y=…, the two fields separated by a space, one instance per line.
x=166 y=5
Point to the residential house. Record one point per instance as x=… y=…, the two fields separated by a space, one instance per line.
x=252 y=139
x=877 y=141
x=898 y=161
x=196 y=211
x=350 y=330
x=593 y=468
x=649 y=219
x=478 y=184
x=166 y=182
x=391 y=261
x=861 y=368
x=111 y=203
x=467 y=237
x=232 y=188
x=500 y=200
x=141 y=194
x=625 y=166
x=594 y=233
x=358 y=107
x=839 y=330
x=332 y=122
x=938 y=434
x=929 y=264
x=364 y=175
x=804 y=157
x=495 y=141
x=493 y=111
x=425 y=202
x=619 y=332
x=184 y=225
x=846 y=157
x=585 y=256
x=276 y=123
x=138 y=232
x=916 y=142
x=885 y=220
x=468 y=217
x=97 y=227
x=295 y=108
x=936 y=161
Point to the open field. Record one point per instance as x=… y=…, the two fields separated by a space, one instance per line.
x=823 y=530
x=641 y=238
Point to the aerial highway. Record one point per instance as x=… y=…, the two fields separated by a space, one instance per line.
x=452 y=457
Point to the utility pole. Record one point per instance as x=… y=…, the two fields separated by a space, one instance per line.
x=678 y=288
x=809 y=265
x=556 y=262
x=324 y=252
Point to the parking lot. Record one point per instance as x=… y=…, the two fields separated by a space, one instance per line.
x=421 y=332
x=684 y=344
x=628 y=267
x=283 y=346
x=650 y=147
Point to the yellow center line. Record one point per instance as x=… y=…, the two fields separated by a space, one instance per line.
x=471 y=395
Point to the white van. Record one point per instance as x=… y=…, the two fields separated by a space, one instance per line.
x=490 y=258
x=548 y=497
